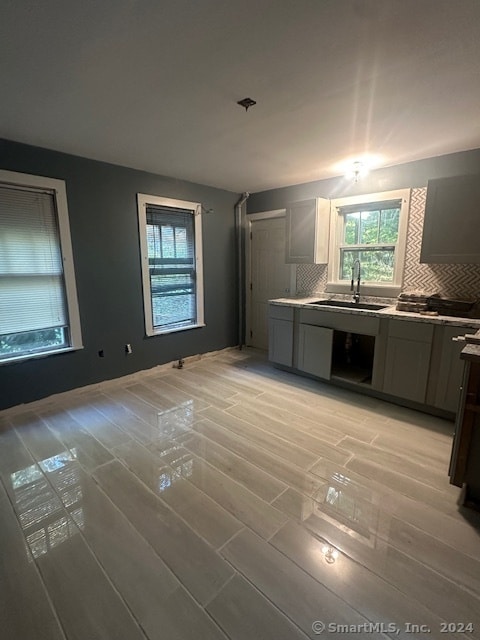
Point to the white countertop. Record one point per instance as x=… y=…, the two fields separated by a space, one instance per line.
x=388 y=312
x=471 y=351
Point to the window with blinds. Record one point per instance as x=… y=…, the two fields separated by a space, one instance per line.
x=171 y=258
x=34 y=309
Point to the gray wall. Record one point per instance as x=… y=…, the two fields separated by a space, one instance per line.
x=412 y=174
x=104 y=230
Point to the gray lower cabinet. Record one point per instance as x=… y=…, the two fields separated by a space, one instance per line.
x=280 y=341
x=407 y=361
x=280 y=335
x=446 y=371
x=315 y=350
x=413 y=360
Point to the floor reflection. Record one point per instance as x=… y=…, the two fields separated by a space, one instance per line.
x=180 y=463
x=176 y=420
x=40 y=511
x=42 y=540
x=360 y=516
x=330 y=554
x=340 y=499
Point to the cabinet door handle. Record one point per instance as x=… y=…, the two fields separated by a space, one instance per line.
x=459 y=339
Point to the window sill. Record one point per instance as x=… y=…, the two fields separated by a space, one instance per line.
x=378 y=290
x=161 y=332
x=36 y=356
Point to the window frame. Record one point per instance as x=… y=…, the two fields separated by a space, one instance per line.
x=143 y=200
x=59 y=192
x=372 y=288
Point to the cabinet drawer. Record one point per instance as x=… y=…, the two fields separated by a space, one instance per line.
x=280 y=312
x=348 y=322
x=408 y=330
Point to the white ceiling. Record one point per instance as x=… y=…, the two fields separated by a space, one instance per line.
x=153 y=84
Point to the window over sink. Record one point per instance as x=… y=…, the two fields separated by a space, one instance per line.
x=370 y=229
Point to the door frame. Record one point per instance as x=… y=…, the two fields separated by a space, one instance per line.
x=253 y=217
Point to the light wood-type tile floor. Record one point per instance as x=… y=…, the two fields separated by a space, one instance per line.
x=229 y=499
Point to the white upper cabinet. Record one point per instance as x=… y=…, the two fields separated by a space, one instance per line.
x=452 y=214
x=307 y=231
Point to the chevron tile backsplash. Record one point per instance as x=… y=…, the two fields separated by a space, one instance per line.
x=311 y=278
x=451 y=280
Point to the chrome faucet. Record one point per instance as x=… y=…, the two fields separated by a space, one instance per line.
x=356 y=294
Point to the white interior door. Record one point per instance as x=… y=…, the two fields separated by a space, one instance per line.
x=270 y=277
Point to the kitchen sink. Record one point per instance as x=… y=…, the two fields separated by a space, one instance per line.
x=350 y=305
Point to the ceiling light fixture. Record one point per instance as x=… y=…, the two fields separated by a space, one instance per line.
x=246 y=102
x=355 y=168
x=358 y=170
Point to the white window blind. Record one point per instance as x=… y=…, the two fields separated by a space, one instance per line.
x=171 y=262
x=32 y=290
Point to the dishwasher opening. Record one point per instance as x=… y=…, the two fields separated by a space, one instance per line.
x=352 y=357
